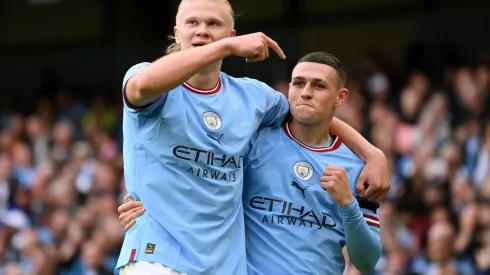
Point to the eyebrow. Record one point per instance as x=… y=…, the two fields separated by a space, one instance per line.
x=313 y=79
x=206 y=19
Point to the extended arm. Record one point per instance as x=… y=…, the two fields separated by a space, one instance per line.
x=172 y=70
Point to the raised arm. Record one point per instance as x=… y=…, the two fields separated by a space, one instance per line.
x=374 y=182
x=172 y=70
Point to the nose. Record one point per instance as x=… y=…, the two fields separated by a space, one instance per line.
x=202 y=31
x=306 y=92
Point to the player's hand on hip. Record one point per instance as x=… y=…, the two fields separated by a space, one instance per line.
x=374 y=181
x=334 y=180
x=254 y=47
x=129 y=211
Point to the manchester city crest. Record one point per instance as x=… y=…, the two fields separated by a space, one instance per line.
x=303 y=170
x=211 y=120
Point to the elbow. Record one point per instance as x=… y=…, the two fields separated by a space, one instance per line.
x=139 y=90
x=148 y=86
x=140 y=87
x=134 y=96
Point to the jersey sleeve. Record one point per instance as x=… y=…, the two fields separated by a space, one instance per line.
x=145 y=108
x=369 y=212
x=276 y=109
x=261 y=143
x=361 y=225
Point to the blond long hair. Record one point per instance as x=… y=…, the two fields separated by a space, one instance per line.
x=175 y=47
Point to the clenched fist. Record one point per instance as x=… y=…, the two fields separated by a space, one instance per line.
x=254 y=47
x=374 y=181
x=334 y=180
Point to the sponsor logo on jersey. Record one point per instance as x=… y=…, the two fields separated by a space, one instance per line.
x=209 y=165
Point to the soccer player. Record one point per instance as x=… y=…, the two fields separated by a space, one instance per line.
x=300 y=200
x=289 y=218
x=186 y=128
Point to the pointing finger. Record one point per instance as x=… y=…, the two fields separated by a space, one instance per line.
x=273 y=45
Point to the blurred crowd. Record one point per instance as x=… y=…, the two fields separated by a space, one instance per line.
x=61 y=173
x=434 y=127
x=60 y=186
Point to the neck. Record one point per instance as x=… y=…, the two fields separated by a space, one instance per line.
x=313 y=134
x=206 y=78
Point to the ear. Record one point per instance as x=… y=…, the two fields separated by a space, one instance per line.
x=233 y=33
x=342 y=97
x=176 y=35
x=289 y=93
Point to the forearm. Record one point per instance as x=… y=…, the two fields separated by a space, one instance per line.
x=172 y=70
x=363 y=243
x=353 y=139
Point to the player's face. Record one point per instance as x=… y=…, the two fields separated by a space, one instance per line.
x=202 y=22
x=314 y=93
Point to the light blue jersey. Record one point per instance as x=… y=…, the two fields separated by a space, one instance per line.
x=183 y=157
x=293 y=226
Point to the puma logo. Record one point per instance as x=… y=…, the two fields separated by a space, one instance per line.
x=216 y=139
x=296 y=185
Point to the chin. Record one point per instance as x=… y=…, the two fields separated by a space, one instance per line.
x=304 y=119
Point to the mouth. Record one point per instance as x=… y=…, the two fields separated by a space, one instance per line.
x=304 y=104
x=198 y=44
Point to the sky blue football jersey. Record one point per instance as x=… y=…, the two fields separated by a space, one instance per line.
x=293 y=226
x=183 y=157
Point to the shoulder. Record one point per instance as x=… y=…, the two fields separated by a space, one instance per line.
x=248 y=83
x=348 y=154
x=265 y=138
x=352 y=164
x=138 y=67
x=263 y=145
x=135 y=69
x=349 y=160
x=267 y=133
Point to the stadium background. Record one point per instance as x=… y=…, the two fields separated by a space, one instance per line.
x=419 y=76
